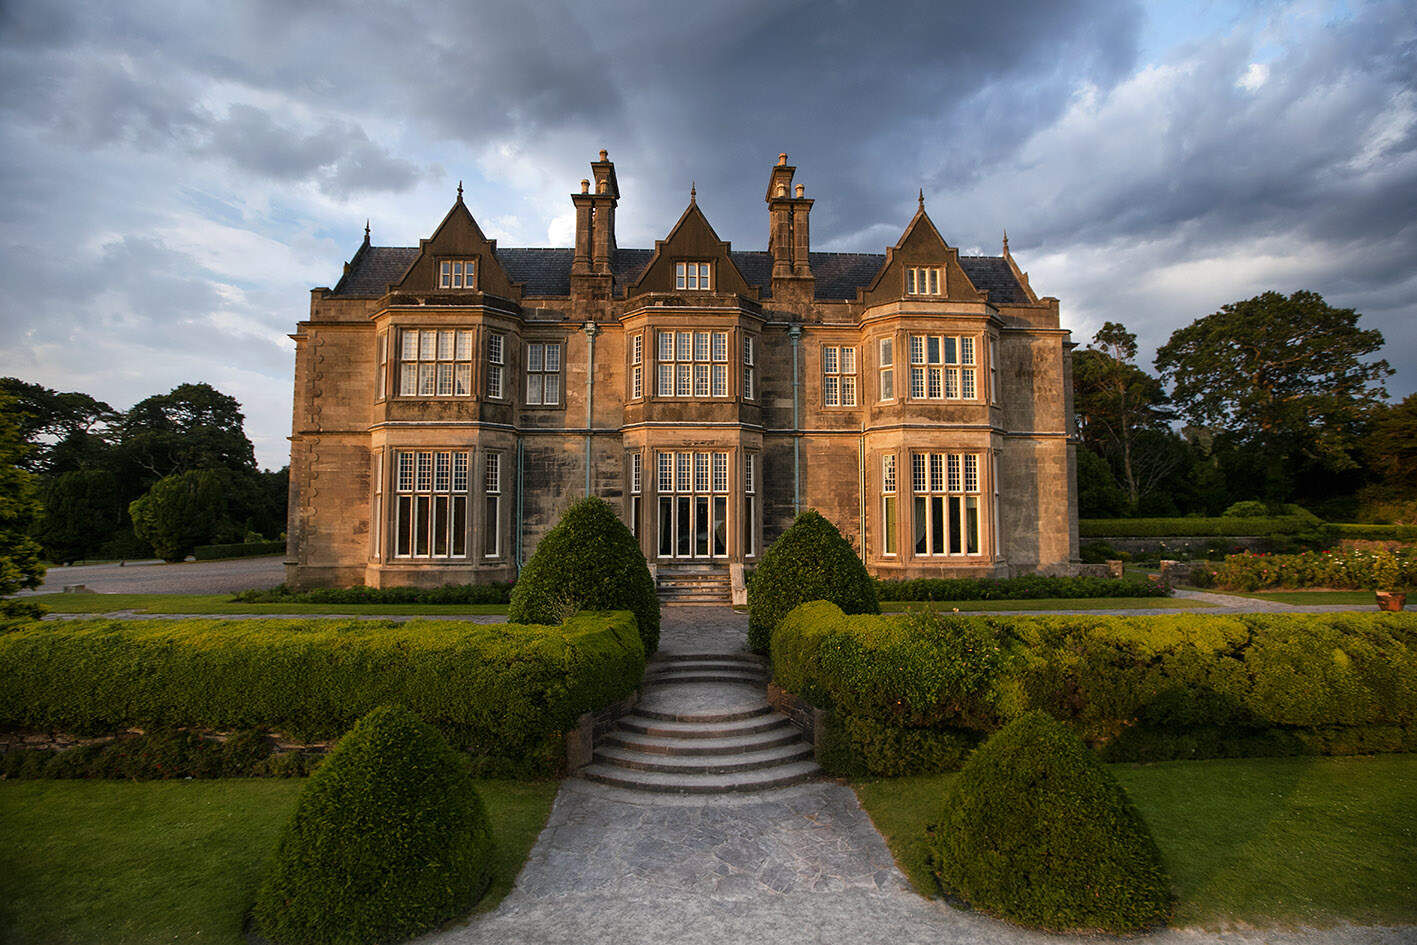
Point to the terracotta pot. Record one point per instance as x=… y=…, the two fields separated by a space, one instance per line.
x=1391 y=600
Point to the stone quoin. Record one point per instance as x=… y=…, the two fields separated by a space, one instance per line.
x=453 y=398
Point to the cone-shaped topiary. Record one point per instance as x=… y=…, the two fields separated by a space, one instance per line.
x=809 y=561
x=1036 y=830
x=589 y=561
x=388 y=839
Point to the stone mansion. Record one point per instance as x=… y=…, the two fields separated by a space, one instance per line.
x=453 y=398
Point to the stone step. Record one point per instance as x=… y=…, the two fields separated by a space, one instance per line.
x=753 y=658
x=704 y=764
x=752 y=677
x=706 y=663
x=694 y=746
x=704 y=730
x=684 y=783
x=703 y=717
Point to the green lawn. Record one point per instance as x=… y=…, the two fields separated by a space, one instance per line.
x=222 y=604
x=1307 y=841
x=117 y=862
x=1047 y=603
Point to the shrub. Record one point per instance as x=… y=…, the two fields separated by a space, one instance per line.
x=1306 y=526
x=246 y=549
x=494 y=592
x=152 y=756
x=1247 y=509
x=504 y=692
x=180 y=512
x=389 y=839
x=1036 y=830
x=810 y=561
x=855 y=746
x=1363 y=570
x=1024 y=587
x=589 y=561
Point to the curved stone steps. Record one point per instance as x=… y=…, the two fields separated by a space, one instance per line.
x=772 y=737
x=762 y=779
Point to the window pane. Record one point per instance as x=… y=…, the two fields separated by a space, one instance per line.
x=922 y=545
x=701 y=346
x=917 y=382
x=887 y=352
x=917 y=349
x=967 y=387
x=463 y=351
x=937 y=524
x=410 y=345
x=666 y=526
x=952 y=383
x=720 y=380
x=445 y=379
x=679 y=277
x=685 y=340
x=462 y=380
x=932 y=348
x=553 y=389
x=701 y=472
x=720 y=472
x=720 y=525
x=459 y=472
x=888 y=525
x=533 y=389
x=720 y=346
x=848 y=391
x=951 y=352
x=445 y=272
x=494 y=349
x=494 y=381
x=404 y=527
x=701 y=526
x=445 y=345
x=533 y=357
x=935 y=390
x=683 y=471
x=666 y=346
x=701 y=380
x=666 y=380
x=966 y=350
x=666 y=472
x=428 y=345
x=748 y=520
x=829 y=364
x=459 y=526
x=440 y=526
x=934 y=282
x=553 y=357
x=427 y=379
x=442 y=472
x=682 y=385
x=937 y=477
x=408 y=380
x=971 y=525
x=910 y=280
x=492 y=506
x=683 y=526
x=636 y=383
x=637 y=349
x=848 y=360
x=421 y=522
x=888 y=384
x=830 y=395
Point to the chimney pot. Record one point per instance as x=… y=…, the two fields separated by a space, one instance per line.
x=782 y=159
x=604 y=187
x=603 y=154
x=585 y=186
x=801 y=191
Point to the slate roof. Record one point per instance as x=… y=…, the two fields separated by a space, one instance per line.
x=547 y=272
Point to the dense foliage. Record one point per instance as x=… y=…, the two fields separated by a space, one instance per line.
x=180 y=512
x=388 y=839
x=504 y=692
x=19 y=554
x=162 y=755
x=1138 y=688
x=1037 y=831
x=243 y=549
x=588 y=561
x=93 y=462
x=1297 y=524
x=1024 y=587
x=497 y=592
x=1363 y=570
x=809 y=561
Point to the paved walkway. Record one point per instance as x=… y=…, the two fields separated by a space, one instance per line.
x=155 y=577
x=799 y=864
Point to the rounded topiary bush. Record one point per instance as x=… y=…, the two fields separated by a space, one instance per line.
x=389 y=839
x=589 y=561
x=810 y=561
x=1036 y=830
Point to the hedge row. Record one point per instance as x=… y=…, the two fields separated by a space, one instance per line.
x=245 y=549
x=1025 y=587
x=495 y=592
x=1138 y=688
x=504 y=692
x=1223 y=526
x=162 y=756
x=1363 y=532
x=1355 y=570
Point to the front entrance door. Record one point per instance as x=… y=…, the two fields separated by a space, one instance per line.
x=693 y=505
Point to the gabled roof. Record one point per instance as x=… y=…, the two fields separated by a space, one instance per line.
x=547 y=272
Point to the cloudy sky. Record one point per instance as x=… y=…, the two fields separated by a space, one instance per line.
x=177 y=176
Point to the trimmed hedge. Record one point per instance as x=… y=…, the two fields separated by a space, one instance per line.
x=1137 y=688
x=809 y=561
x=245 y=549
x=1036 y=830
x=495 y=592
x=504 y=692
x=588 y=561
x=1358 y=570
x=161 y=756
x=1220 y=527
x=1025 y=587
x=1364 y=532
x=388 y=839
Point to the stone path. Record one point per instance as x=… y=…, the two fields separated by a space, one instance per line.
x=797 y=864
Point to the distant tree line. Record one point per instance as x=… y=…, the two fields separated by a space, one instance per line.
x=173 y=472
x=1274 y=400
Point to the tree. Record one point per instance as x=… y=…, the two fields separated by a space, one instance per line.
x=65 y=430
x=194 y=426
x=82 y=510
x=182 y=511
x=20 y=566
x=1114 y=399
x=1099 y=496
x=1391 y=446
x=1284 y=376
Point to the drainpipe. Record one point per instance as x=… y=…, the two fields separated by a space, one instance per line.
x=795 y=333
x=521 y=466
x=591 y=330
x=861 y=487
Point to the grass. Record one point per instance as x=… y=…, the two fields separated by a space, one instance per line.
x=223 y=604
x=1266 y=841
x=1046 y=603
x=124 y=863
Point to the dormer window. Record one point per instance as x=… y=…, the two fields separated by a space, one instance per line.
x=924 y=280
x=457 y=274
x=693 y=276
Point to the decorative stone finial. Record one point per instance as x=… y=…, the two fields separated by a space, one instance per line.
x=801 y=191
x=459 y=191
x=921 y=200
x=585 y=186
x=366 y=229
x=604 y=155
x=693 y=192
x=1006 y=241
x=782 y=159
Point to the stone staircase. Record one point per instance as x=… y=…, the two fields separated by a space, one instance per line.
x=694 y=586
x=703 y=726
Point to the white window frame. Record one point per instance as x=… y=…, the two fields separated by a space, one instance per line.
x=435 y=362
x=636 y=492
x=492 y=505
x=946 y=511
x=381 y=389
x=944 y=367
x=993 y=370
x=543 y=374
x=697 y=495
x=693 y=276
x=885 y=375
x=750 y=366
x=457 y=273
x=750 y=505
x=839 y=376
x=692 y=363
x=637 y=366
x=430 y=508
x=925 y=280
x=496 y=365
x=890 y=507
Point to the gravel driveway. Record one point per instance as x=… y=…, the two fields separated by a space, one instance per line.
x=155 y=577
